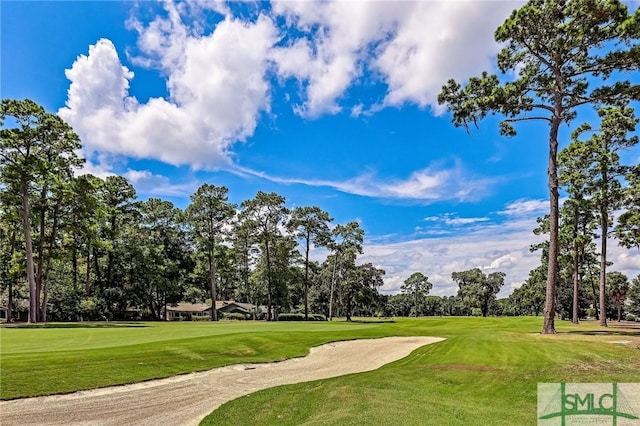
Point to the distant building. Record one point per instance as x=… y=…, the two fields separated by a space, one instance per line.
x=20 y=311
x=194 y=311
x=188 y=311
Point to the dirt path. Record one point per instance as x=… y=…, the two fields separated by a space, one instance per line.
x=187 y=399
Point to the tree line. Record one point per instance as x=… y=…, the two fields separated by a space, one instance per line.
x=477 y=296
x=88 y=248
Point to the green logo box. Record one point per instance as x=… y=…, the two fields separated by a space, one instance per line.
x=568 y=404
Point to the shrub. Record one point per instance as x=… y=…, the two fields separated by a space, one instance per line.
x=591 y=312
x=295 y=316
x=235 y=316
x=202 y=318
x=630 y=317
x=291 y=317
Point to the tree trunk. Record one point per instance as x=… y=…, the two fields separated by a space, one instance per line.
x=245 y=274
x=269 y=306
x=165 y=308
x=306 y=282
x=595 y=298
x=333 y=285
x=552 y=275
x=10 y=287
x=45 y=294
x=576 y=283
x=47 y=265
x=96 y=267
x=87 y=281
x=40 y=266
x=109 y=277
x=212 y=277
x=31 y=279
x=74 y=264
x=10 y=303
x=604 y=224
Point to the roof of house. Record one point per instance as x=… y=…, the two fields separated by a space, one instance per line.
x=198 y=307
x=222 y=303
x=238 y=306
x=189 y=307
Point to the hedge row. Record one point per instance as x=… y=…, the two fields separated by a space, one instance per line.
x=300 y=317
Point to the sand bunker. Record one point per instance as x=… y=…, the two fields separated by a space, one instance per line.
x=187 y=399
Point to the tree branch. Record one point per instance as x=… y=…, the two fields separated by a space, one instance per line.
x=513 y=120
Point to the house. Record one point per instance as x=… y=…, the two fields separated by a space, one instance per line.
x=20 y=312
x=188 y=311
x=191 y=311
x=249 y=310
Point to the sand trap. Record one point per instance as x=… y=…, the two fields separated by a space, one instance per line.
x=187 y=399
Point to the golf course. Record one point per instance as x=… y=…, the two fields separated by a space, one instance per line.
x=486 y=370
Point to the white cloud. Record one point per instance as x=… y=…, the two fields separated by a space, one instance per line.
x=453 y=220
x=327 y=58
x=356 y=111
x=525 y=207
x=414 y=47
x=492 y=247
x=434 y=183
x=215 y=97
x=219 y=76
x=432 y=45
x=98 y=170
x=155 y=185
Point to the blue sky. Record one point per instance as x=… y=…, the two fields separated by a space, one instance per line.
x=326 y=103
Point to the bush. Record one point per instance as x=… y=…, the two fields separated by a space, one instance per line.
x=630 y=317
x=202 y=318
x=294 y=316
x=591 y=312
x=291 y=317
x=235 y=316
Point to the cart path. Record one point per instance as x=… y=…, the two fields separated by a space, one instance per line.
x=188 y=398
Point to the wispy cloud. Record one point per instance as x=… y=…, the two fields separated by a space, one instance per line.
x=453 y=220
x=525 y=207
x=436 y=182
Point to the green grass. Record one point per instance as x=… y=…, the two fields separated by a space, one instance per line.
x=58 y=358
x=485 y=372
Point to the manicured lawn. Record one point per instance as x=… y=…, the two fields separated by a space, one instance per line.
x=485 y=373
x=59 y=358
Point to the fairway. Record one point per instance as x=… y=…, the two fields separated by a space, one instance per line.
x=187 y=399
x=485 y=372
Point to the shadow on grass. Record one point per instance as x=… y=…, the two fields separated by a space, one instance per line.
x=603 y=332
x=78 y=325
